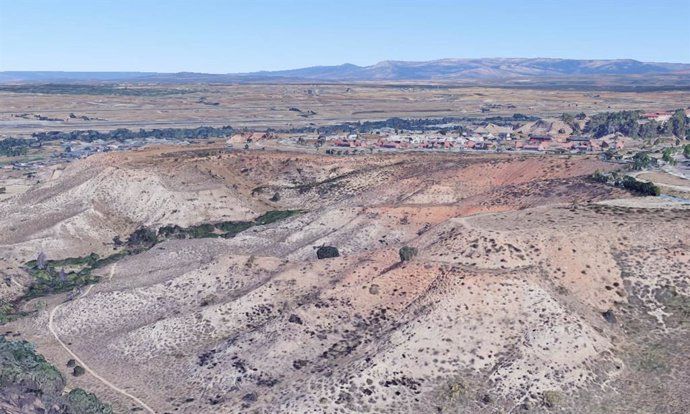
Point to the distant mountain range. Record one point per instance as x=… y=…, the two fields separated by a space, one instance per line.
x=493 y=69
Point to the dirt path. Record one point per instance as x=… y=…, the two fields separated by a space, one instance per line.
x=86 y=367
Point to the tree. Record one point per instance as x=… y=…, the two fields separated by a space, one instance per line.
x=326 y=252
x=668 y=156
x=686 y=151
x=570 y=120
x=678 y=123
x=625 y=122
x=78 y=370
x=143 y=238
x=407 y=253
x=642 y=160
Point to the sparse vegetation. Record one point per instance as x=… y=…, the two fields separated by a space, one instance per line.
x=551 y=399
x=651 y=359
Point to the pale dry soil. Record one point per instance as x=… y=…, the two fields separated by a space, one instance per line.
x=528 y=293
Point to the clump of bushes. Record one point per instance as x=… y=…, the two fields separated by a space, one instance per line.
x=56 y=276
x=326 y=252
x=21 y=365
x=407 y=253
x=84 y=402
x=643 y=188
x=26 y=372
x=627 y=182
x=642 y=160
x=142 y=239
x=226 y=229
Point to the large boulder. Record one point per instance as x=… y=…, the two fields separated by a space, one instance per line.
x=325 y=252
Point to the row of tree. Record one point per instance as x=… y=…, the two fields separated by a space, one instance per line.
x=14 y=147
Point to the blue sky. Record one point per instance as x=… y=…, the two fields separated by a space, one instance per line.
x=218 y=36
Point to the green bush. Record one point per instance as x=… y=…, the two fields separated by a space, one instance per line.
x=326 y=252
x=668 y=156
x=643 y=188
x=20 y=365
x=142 y=238
x=83 y=402
x=28 y=373
x=407 y=253
x=642 y=160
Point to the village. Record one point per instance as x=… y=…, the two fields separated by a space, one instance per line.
x=542 y=136
x=545 y=136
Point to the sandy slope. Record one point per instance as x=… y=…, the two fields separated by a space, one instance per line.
x=502 y=307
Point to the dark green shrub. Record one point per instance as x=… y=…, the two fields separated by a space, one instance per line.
x=407 y=253
x=142 y=238
x=642 y=188
x=84 y=402
x=78 y=371
x=326 y=252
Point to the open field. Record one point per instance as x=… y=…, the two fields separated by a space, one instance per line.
x=297 y=105
x=530 y=290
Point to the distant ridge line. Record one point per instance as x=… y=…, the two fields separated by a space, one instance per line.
x=489 y=69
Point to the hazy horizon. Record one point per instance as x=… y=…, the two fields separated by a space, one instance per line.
x=339 y=64
x=267 y=35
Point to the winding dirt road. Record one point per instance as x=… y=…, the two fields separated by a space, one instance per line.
x=110 y=385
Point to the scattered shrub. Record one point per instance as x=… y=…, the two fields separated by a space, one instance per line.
x=78 y=371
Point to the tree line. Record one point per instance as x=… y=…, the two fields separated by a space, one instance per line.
x=19 y=146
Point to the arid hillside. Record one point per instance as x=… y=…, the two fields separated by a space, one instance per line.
x=525 y=293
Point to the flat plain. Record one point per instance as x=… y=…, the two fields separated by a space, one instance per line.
x=285 y=106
